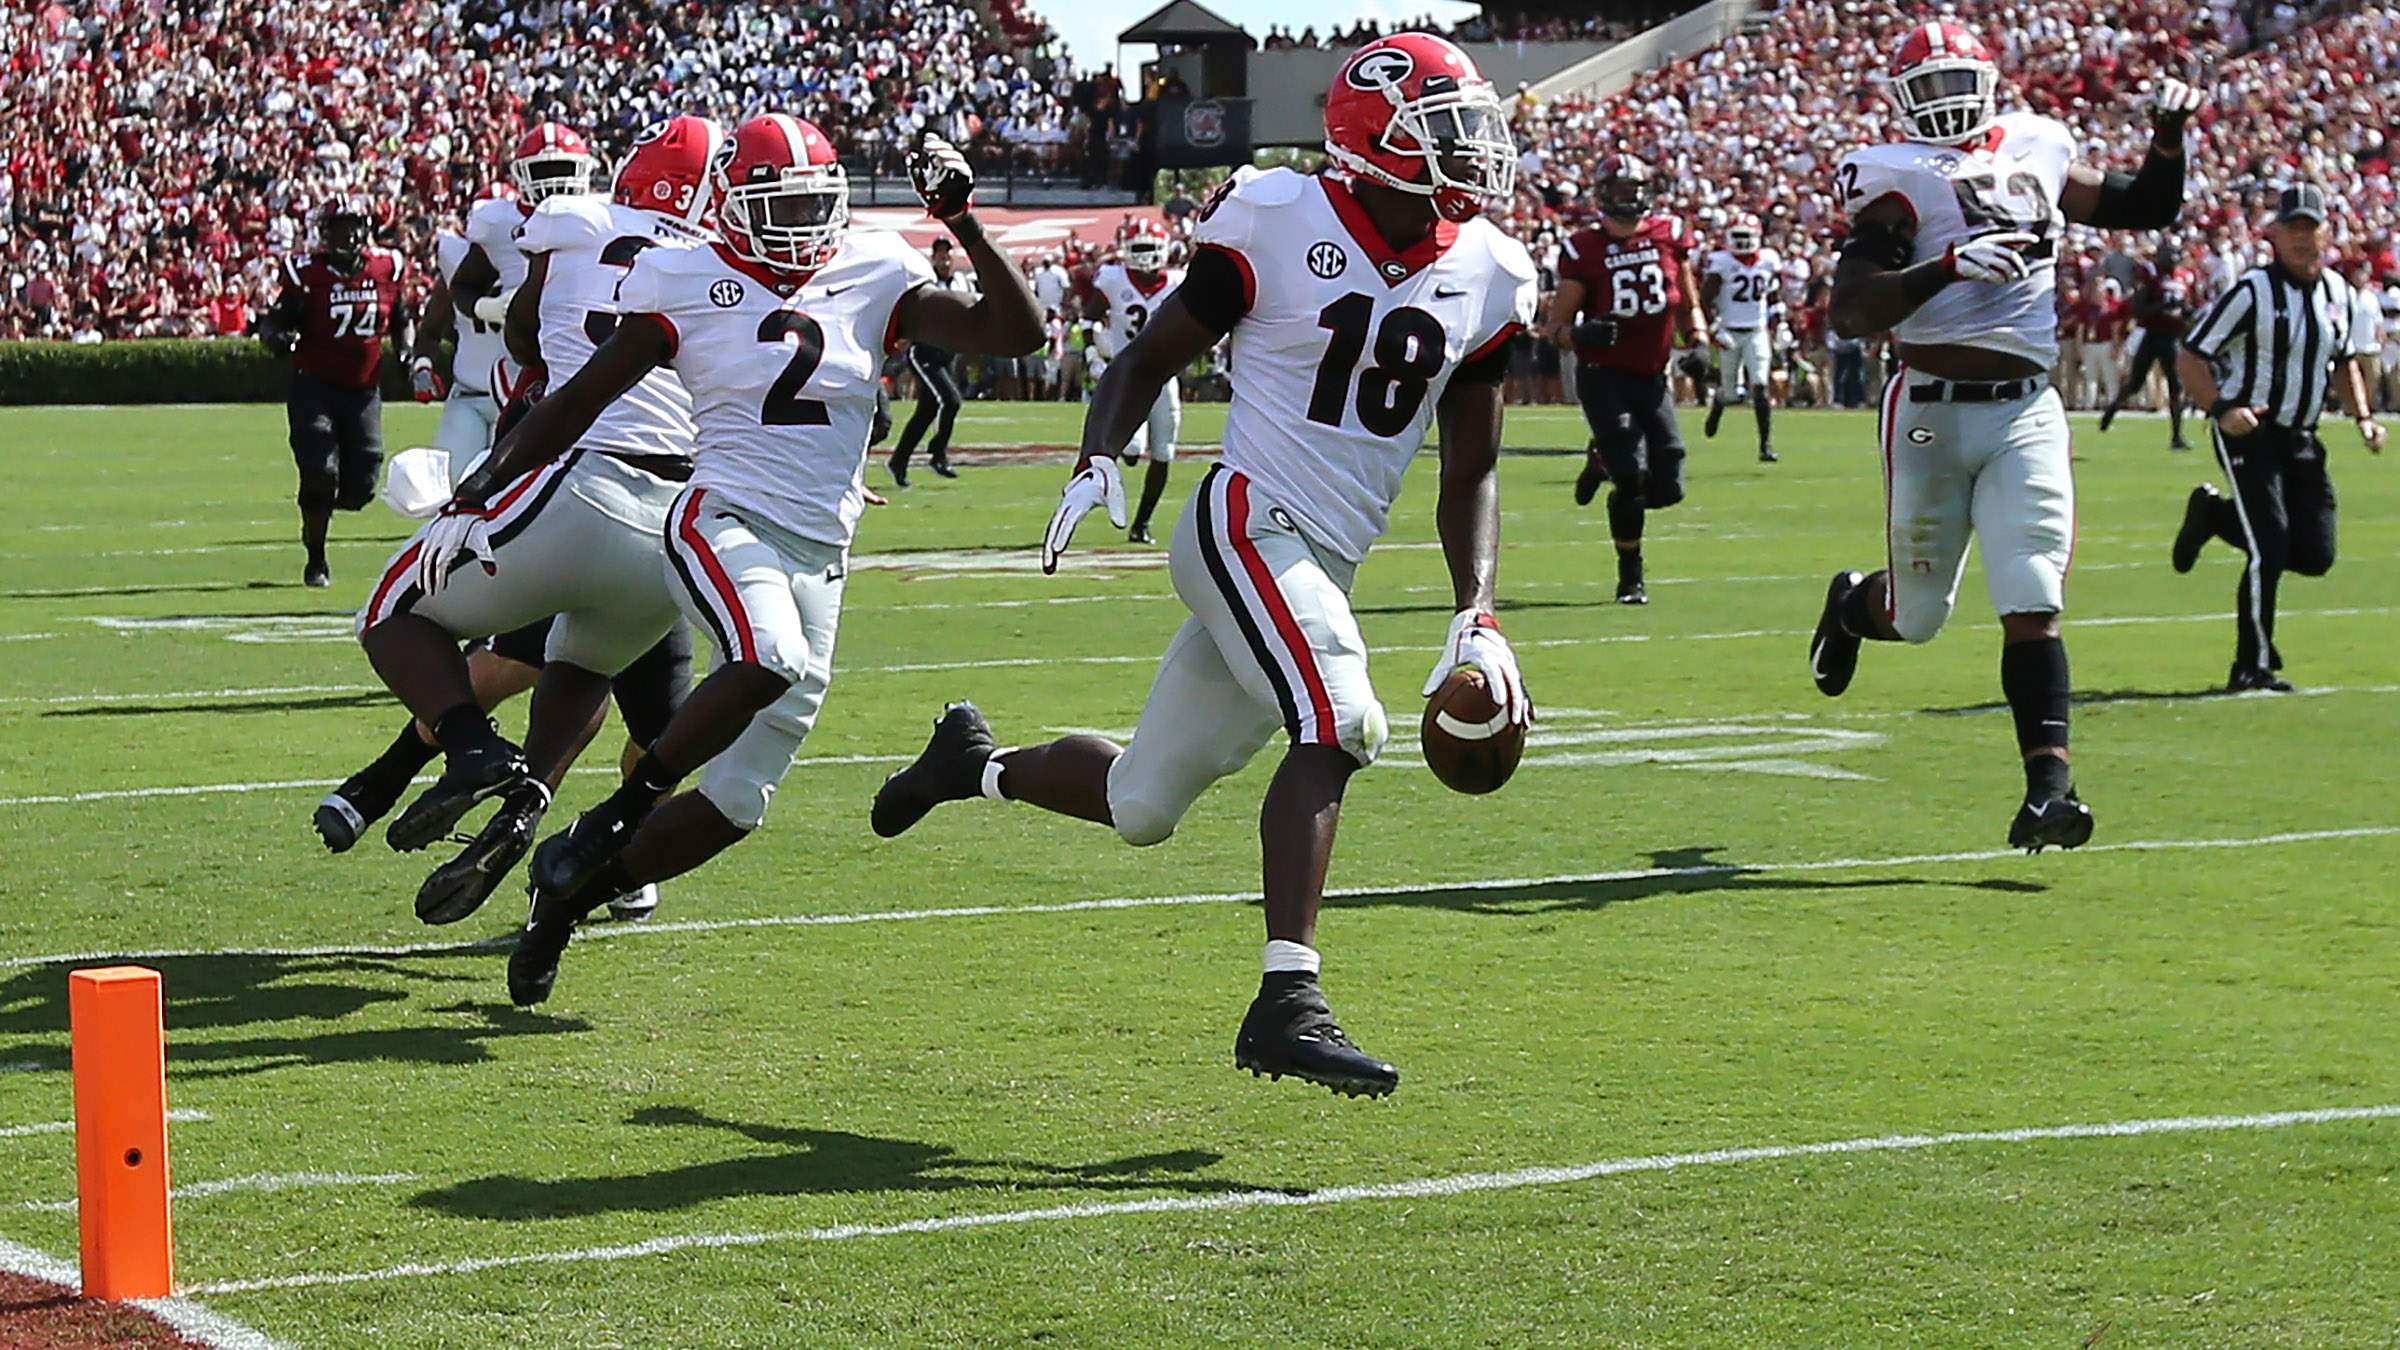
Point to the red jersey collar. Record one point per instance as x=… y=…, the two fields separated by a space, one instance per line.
x=1391 y=265
x=1157 y=282
x=782 y=283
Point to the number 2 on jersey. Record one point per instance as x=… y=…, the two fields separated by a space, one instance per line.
x=1408 y=354
x=784 y=406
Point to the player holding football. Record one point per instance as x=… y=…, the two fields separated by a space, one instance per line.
x=574 y=535
x=1364 y=304
x=1129 y=292
x=1741 y=290
x=330 y=320
x=779 y=330
x=1952 y=248
x=1625 y=291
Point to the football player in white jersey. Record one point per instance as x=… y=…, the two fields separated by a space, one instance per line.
x=1365 y=305
x=1741 y=287
x=574 y=535
x=1129 y=291
x=551 y=160
x=779 y=330
x=1951 y=248
x=469 y=407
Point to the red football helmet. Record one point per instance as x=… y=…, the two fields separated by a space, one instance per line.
x=1626 y=185
x=1145 y=246
x=1946 y=85
x=669 y=171
x=1742 y=236
x=1411 y=112
x=552 y=160
x=783 y=200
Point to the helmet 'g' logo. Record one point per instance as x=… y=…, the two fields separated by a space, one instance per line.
x=1327 y=260
x=1380 y=69
x=725 y=293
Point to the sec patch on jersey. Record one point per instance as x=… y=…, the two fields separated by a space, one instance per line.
x=1468 y=740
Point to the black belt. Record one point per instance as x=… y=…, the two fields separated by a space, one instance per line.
x=673 y=468
x=1973 y=391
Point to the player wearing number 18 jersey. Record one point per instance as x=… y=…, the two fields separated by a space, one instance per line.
x=1130 y=291
x=1364 y=305
x=1951 y=248
x=1625 y=291
x=779 y=330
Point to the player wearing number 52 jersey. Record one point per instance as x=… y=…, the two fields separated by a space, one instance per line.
x=1625 y=291
x=780 y=331
x=1130 y=292
x=1951 y=248
x=1365 y=305
x=569 y=528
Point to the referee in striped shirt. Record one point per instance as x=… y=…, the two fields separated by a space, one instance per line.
x=2261 y=361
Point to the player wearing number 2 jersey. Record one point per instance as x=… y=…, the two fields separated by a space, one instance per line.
x=1625 y=291
x=1951 y=248
x=779 y=330
x=1129 y=292
x=1364 y=305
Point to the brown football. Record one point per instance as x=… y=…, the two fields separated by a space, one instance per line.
x=1469 y=743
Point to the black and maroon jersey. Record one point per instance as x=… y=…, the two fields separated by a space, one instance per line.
x=343 y=315
x=1637 y=281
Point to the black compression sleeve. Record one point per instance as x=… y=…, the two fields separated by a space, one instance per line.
x=2149 y=200
x=1216 y=288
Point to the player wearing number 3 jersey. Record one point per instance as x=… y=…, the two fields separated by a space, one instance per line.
x=1951 y=247
x=1129 y=291
x=1364 y=305
x=779 y=330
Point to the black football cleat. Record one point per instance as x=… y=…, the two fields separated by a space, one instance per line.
x=1587 y=483
x=317 y=575
x=468 y=777
x=2199 y=526
x=941 y=467
x=1631 y=591
x=459 y=887
x=362 y=799
x=2062 y=820
x=950 y=770
x=636 y=905
x=569 y=858
x=1139 y=534
x=549 y=927
x=2108 y=416
x=2179 y=444
x=2255 y=680
x=1766 y=454
x=1716 y=414
x=1833 y=651
x=1289 y=1030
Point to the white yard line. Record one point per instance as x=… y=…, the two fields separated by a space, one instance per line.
x=611 y=932
x=68 y=1126
x=280 y=1181
x=1423 y=1188
x=190 y=1320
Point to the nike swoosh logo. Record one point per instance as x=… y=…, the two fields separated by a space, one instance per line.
x=832 y=291
x=1446 y=292
x=1816 y=653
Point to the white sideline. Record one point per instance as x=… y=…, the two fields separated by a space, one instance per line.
x=190 y=1320
x=611 y=932
x=1422 y=1188
x=68 y=1127
x=260 y=1181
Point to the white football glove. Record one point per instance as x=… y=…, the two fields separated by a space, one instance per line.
x=1722 y=339
x=1475 y=640
x=944 y=180
x=1097 y=483
x=2172 y=106
x=452 y=534
x=1997 y=258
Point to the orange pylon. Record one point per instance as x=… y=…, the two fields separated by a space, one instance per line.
x=119 y=1019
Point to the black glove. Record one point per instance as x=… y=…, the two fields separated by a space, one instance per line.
x=1696 y=366
x=1595 y=333
x=279 y=344
x=943 y=179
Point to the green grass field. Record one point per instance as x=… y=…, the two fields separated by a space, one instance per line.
x=845 y=1092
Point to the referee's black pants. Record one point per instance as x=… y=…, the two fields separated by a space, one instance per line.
x=2281 y=513
x=937 y=405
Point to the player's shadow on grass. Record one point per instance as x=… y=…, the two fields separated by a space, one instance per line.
x=2096 y=696
x=1681 y=871
x=810 y=1162
x=206 y=994
x=299 y=703
x=189 y=587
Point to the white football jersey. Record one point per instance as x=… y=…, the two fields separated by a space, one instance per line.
x=783 y=379
x=1346 y=348
x=480 y=346
x=2011 y=181
x=591 y=242
x=492 y=224
x=1130 y=303
x=1746 y=291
